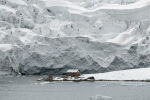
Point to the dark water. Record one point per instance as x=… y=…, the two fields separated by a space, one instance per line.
x=27 y=88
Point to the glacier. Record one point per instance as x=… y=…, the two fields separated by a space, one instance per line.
x=95 y=36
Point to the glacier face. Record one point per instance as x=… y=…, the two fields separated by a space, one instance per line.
x=51 y=36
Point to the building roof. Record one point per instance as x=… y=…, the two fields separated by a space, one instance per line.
x=72 y=70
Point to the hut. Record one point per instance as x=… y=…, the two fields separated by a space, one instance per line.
x=49 y=78
x=73 y=73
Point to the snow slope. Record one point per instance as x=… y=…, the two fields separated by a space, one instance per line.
x=132 y=74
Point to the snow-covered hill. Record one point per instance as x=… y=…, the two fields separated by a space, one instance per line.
x=50 y=36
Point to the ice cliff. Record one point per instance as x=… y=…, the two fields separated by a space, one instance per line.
x=51 y=36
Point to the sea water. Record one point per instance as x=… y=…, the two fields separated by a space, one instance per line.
x=27 y=88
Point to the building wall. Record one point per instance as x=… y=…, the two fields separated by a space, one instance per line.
x=73 y=74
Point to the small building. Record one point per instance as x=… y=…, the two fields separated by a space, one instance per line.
x=73 y=72
x=50 y=77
